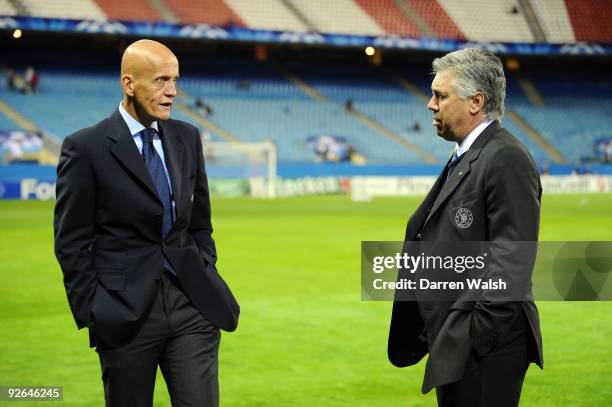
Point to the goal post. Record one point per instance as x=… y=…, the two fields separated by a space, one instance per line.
x=252 y=161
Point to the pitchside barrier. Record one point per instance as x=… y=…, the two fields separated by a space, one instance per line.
x=259 y=179
x=366 y=188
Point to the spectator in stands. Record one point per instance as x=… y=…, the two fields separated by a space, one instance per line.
x=479 y=349
x=204 y=109
x=348 y=105
x=244 y=84
x=10 y=79
x=31 y=78
x=133 y=236
x=15 y=82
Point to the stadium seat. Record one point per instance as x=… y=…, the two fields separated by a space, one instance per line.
x=338 y=16
x=137 y=10
x=214 y=12
x=77 y=9
x=491 y=20
x=267 y=15
x=388 y=16
x=6 y=8
x=591 y=20
x=555 y=20
x=436 y=17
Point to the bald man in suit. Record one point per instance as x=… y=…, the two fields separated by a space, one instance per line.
x=133 y=236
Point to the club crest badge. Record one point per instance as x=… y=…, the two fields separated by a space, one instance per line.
x=464 y=218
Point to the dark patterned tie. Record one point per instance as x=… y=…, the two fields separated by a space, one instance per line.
x=455 y=160
x=156 y=168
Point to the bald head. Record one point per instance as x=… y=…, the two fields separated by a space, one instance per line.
x=143 y=54
x=149 y=71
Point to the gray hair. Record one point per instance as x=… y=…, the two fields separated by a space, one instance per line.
x=477 y=70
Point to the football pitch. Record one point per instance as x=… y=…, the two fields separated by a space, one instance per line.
x=305 y=338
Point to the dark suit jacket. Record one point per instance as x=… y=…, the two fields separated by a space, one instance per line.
x=498 y=182
x=108 y=221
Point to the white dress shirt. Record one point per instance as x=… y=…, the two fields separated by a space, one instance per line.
x=464 y=146
x=135 y=129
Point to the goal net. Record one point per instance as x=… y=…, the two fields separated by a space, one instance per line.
x=251 y=161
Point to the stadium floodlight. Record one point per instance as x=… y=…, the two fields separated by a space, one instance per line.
x=252 y=161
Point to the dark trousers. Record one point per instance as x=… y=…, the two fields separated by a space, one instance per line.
x=496 y=379
x=176 y=338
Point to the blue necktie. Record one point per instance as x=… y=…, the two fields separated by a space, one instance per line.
x=156 y=168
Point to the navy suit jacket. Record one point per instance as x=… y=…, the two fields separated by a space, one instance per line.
x=108 y=220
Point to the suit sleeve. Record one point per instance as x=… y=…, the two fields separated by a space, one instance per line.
x=512 y=192
x=74 y=225
x=200 y=227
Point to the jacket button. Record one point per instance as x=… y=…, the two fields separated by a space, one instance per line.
x=418 y=237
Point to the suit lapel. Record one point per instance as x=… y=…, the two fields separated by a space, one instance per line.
x=126 y=152
x=173 y=151
x=463 y=168
x=418 y=219
x=451 y=184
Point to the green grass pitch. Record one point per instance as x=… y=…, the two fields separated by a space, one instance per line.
x=305 y=338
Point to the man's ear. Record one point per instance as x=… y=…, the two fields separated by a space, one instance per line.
x=127 y=84
x=477 y=103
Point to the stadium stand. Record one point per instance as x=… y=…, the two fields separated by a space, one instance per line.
x=253 y=101
x=436 y=17
x=492 y=20
x=137 y=10
x=274 y=108
x=77 y=9
x=6 y=9
x=267 y=15
x=338 y=16
x=388 y=16
x=554 y=21
x=590 y=19
x=380 y=110
x=6 y=123
x=576 y=111
x=214 y=12
x=554 y=18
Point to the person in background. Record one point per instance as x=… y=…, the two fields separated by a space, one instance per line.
x=31 y=78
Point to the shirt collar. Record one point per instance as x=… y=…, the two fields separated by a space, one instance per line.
x=469 y=140
x=133 y=124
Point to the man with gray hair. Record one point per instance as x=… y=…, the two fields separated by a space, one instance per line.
x=489 y=191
